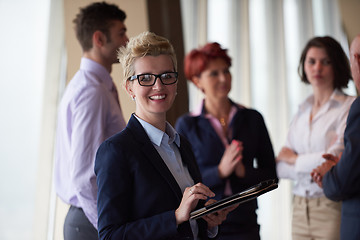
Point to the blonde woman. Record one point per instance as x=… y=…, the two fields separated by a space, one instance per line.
x=147 y=175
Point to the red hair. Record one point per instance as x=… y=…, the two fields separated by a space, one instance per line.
x=197 y=60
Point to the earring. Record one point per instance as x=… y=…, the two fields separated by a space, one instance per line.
x=133 y=98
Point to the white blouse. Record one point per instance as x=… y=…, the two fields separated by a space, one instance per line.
x=310 y=140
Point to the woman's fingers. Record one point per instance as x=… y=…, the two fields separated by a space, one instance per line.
x=216 y=218
x=190 y=199
x=331 y=157
x=200 y=188
x=232 y=156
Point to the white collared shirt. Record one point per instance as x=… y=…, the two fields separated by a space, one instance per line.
x=310 y=140
x=167 y=144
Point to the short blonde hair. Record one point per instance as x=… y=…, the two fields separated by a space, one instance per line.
x=145 y=44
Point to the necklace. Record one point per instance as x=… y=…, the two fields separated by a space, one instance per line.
x=222 y=122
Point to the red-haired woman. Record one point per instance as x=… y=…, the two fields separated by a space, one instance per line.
x=230 y=142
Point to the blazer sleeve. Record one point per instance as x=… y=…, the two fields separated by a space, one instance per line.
x=115 y=204
x=343 y=180
x=264 y=167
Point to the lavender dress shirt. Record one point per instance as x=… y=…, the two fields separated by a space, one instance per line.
x=88 y=114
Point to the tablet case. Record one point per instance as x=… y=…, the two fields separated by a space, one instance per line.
x=238 y=198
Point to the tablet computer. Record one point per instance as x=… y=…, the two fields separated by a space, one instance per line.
x=238 y=198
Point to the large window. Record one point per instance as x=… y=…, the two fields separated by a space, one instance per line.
x=30 y=49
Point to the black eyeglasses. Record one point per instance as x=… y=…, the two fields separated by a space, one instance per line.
x=149 y=79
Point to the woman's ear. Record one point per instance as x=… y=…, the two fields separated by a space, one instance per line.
x=129 y=90
x=196 y=81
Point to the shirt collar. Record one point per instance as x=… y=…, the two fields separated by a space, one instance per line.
x=156 y=135
x=200 y=110
x=337 y=97
x=97 y=69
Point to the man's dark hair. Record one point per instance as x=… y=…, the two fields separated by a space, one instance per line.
x=95 y=17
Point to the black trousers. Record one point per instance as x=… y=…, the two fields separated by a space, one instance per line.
x=78 y=227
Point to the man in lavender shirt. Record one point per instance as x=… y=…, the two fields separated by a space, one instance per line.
x=89 y=113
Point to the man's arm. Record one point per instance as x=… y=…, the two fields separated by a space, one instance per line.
x=343 y=180
x=89 y=120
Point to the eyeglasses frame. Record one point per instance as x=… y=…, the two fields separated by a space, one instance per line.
x=132 y=78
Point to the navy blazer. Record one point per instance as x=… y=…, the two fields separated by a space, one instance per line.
x=247 y=126
x=342 y=182
x=137 y=194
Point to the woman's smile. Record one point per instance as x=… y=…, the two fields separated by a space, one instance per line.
x=158 y=97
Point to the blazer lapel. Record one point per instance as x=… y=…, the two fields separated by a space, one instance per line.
x=150 y=153
x=186 y=158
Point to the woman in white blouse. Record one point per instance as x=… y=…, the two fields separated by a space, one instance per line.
x=317 y=128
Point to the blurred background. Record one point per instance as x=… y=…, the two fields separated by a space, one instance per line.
x=39 y=54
